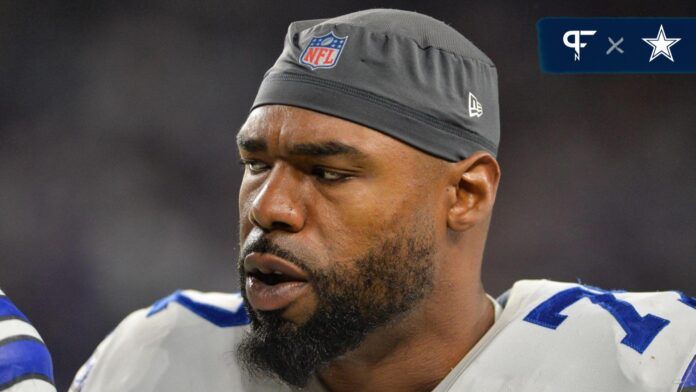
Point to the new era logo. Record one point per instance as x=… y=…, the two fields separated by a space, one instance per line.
x=475 y=108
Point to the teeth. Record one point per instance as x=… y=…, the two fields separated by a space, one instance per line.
x=277 y=273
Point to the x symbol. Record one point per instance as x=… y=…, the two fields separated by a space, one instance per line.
x=615 y=45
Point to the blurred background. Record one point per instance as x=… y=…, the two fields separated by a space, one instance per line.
x=119 y=175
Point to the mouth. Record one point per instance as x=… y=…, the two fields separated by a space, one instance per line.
x=272 y=283
x=271 y=279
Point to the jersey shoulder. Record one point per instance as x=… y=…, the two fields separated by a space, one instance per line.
x=25 y=363
x=632 y=339
x=642 y=315
x=184 y=341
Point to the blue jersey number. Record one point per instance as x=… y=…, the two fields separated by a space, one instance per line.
x=640 y=331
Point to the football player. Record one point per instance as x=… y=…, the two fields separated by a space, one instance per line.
x=370 y=179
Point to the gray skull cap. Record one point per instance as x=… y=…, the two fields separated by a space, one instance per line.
x=401 y=73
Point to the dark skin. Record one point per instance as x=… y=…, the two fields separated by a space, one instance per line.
x=326 y=189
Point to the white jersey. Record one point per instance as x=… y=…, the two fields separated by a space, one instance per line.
x=549 y=336
x=25 y=364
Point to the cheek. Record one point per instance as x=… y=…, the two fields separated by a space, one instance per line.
x=365 y=205
x=370 y=213
x=355 y=222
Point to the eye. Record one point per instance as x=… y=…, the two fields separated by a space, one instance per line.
x=253 y=166
x=327 y=175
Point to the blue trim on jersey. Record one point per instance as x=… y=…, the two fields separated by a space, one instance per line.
x=221 y=317
x=640 y=330
x=689 y=378
x=687 y=300
x=24 y=358
x=8 y=310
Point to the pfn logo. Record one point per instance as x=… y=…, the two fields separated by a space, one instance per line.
x=576 y=44
x=323 y=52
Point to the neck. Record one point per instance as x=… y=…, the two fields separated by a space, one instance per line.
x=415 y=352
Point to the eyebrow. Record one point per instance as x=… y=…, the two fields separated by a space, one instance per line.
x=316 y=149
x=251 y=144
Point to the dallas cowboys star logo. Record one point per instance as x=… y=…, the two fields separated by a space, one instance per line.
x=661 y=45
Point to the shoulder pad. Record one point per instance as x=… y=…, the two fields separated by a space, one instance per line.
x=653 y=334
x=186 y=337
x=220 y=309
x=25 y=363
x=554 y=336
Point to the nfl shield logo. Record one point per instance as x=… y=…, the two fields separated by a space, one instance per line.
x=323 y=52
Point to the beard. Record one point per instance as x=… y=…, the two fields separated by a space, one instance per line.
x=353 y=299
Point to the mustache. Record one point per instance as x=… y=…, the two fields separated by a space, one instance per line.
x=265 y=245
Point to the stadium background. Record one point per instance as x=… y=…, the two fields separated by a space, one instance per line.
x=119 y=175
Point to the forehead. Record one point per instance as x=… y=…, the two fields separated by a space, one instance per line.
x=280 y=126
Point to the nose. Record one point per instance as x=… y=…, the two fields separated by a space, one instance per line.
x=277 y=205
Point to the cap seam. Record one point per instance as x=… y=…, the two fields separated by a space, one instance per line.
x=387 y=104
x=487 y=62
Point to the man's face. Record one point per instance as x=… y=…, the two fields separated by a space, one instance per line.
x=338 y=231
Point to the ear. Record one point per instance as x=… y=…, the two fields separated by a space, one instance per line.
x=474 y=185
